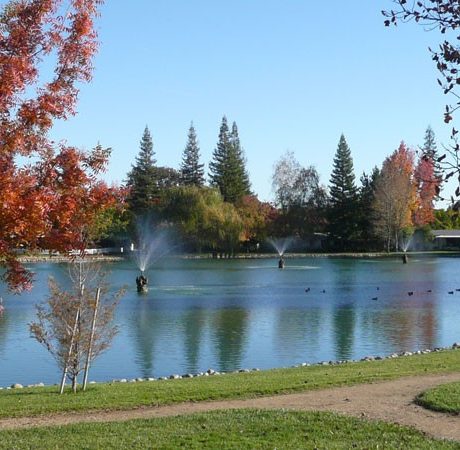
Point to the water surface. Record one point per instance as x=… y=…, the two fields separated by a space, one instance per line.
x=232 y=314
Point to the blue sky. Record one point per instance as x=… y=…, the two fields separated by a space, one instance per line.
x=293 y=74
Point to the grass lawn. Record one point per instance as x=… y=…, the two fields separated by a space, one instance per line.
x=35 y=401
x=444 y=398
x=238 y=429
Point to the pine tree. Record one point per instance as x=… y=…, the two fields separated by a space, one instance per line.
x=430 y=150
x=343 y=198
x=142 y=177
x=227 y=168
x=192 y=172
x=429 y=146
x=238 y=173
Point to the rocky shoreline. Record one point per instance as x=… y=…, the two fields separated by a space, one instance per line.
x=212 y=372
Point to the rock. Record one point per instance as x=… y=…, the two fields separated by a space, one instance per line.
x=175 y=377
x=123 y=380
x=139 y=379
x=456 y=345
x=150 y=379
x=92 y=382
x=17 y=386
x=210 y=372
x=187 y=375
x=368 y=358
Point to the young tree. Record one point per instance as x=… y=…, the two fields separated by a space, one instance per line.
x=227 y=168
x=343 y=198
x=191 y=170
x=142 y=182
x=76 y=327
x=47 y=201
x=395 y=196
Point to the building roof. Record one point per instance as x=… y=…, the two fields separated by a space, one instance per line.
x=446 y=234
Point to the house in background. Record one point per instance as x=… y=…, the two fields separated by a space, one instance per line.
x=446 y=239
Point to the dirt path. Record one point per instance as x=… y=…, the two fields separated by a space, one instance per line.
x=391 y=401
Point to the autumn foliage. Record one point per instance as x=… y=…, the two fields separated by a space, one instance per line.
x=49 y=193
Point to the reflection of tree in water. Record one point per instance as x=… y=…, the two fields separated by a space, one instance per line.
x=193 y=322
x=298 y=330
x=146 y=327
x=230 y=329
x=344 y=327
x=4 y=323
x=405 y=328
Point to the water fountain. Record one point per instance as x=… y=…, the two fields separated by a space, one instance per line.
x=404 y=246
x=280 y=245
x=151 y=246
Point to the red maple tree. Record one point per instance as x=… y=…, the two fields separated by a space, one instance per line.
x=427 y=184
x=49 y=193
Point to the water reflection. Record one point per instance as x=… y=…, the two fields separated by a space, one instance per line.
x=241 y=314
x=229 y=337
x=344 y=328
x=193 y=324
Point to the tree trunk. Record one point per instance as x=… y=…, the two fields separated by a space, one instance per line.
x=91 y=338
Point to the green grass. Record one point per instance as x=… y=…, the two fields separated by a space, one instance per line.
x=444 y=398
x=237 y=429
x=36 y=401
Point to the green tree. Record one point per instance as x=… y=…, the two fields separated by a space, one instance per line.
x=192 y=172
x=429 y=146
x=343 y=198
x=365 y=214
x=227 y=168
x=142 y=183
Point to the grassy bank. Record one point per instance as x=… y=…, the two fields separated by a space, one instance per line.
x=238 y=429
x=106 y=396
x=444 y=398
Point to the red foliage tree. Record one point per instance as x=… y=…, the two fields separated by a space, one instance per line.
x=427 y=184
x=50 y=195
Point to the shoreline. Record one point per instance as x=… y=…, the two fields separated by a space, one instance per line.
x=211 y=372
x=358 y=255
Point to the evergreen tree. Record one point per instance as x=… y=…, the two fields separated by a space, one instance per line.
x=142 y=177
x=192 y=172
x=343 y=198
x=430 y=150
x=240 y=185
x=227 y=168
x=365 y=215
x=429 y=146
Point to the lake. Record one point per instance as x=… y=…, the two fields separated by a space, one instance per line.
x=247 y=313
